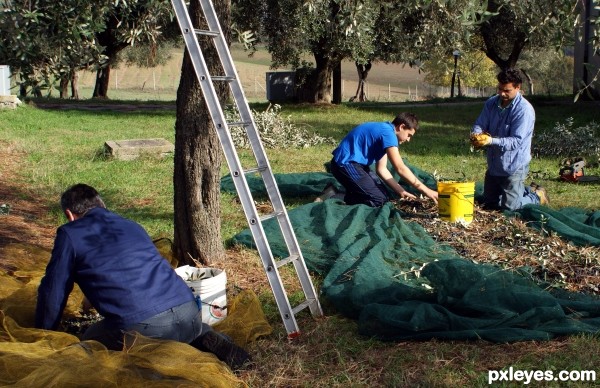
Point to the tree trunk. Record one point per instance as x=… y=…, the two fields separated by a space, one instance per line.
x=64 y=86
x=323 y=72
x=316 y=88
x=337 y=84
x=112 y=46
x=75 y=85
x=492 y=46
x=102 y=79
x=529 y=81
x=197 y=169
x=363 y=73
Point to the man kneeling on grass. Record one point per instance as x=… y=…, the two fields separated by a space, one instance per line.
x=124 y=277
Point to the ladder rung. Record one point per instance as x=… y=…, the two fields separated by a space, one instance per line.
x=227 y=78
x=239 y=123
x=270 y=215
x=302 y=306
x=254 y=170
x=287 y=260
x=206 y=32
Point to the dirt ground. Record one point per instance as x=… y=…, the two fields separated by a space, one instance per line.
x=25 y=221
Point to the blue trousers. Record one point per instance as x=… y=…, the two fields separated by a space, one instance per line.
x=508 y=192
x=362 y=184
x=181 y=323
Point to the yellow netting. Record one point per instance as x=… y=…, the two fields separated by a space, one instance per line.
x=32 y=357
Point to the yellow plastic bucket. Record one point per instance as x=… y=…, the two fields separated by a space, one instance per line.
x=456 y=200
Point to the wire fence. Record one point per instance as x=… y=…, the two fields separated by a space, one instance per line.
x=162 y=82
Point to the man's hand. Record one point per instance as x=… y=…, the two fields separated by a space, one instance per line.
x=406 y=195
x=480 y=140
x=432 y=194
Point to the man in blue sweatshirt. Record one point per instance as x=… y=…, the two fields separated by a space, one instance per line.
x=124 y=277
x=505 y=129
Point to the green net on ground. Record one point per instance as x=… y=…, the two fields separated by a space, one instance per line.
x=401 y=284
x=576 y=225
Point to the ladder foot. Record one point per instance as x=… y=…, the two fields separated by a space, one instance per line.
x=294 y=335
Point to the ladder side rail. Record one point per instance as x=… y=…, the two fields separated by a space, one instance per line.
x=235 y=167
x=246 y=116
x=260 y=155
x=259 y=152
x=283 y=304
x=215 y=110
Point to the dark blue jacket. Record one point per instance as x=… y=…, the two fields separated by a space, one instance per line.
x=116 y=265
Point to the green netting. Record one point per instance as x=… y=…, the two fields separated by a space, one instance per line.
x=311 y=184
x=401 y=284
x=573 y=224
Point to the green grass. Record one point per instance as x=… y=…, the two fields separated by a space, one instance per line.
x=63 y=147
x=66 y=146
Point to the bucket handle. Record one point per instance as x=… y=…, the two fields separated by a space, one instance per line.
x=215 y=306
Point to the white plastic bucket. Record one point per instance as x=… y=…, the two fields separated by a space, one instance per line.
x=209 y=286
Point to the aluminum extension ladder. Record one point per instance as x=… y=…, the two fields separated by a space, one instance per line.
x=190 y=34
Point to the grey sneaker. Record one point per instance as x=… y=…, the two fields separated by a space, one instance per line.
x=225 y=350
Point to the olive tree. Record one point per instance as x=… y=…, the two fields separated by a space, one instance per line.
x=197 y=169
x=517 y=26
x=45 y=40
x=362 y=31
x=128 y=22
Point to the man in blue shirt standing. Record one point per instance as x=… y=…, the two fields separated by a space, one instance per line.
x=124 y=277
x=505 y=129
x=376 y=142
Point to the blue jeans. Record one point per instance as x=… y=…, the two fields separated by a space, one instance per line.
x=181 y=323
x=508 y=192
x=361 y=183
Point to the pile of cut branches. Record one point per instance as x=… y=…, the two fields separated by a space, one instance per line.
x=509 y=243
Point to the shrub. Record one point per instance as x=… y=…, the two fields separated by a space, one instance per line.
x=566 y=141
x=276 y=131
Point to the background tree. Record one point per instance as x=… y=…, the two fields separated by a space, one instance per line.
x=476 y=70
x=420 y=30
x=128 y=22
x=545 y=71
x=362 y=31
x=329 y=31
x=518 y=25
x=197 y=170
x=43 y=41
x=47 y=41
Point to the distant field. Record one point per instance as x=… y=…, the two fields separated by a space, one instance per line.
x=386 y=82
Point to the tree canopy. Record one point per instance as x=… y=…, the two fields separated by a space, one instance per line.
x=362 y=31
x=44 y=40
x=47 y=40
x=518 y=25
x=411 y=31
